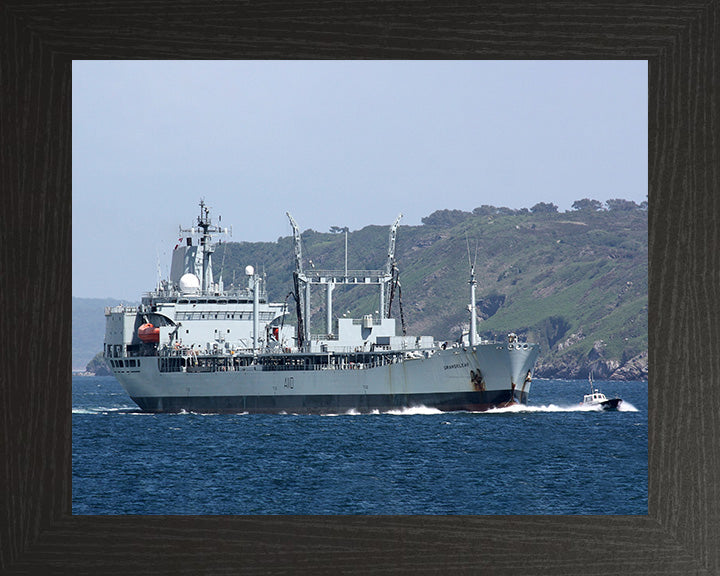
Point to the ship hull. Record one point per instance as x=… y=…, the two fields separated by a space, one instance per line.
x=612 y=404
x=331 y=404
x=448 y=380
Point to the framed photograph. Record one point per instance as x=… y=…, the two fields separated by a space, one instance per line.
x=39 y=532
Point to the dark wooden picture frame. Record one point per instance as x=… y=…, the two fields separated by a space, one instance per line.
x=681 y=533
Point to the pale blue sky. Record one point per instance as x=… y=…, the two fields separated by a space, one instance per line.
x=337 y=144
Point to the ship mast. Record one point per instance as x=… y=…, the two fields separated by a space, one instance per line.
x=204 y=229
x=473 y=309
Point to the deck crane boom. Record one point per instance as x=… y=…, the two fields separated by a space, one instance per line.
x=387 y=290
x=298 y=245
x=301 y=284
x=391 y=245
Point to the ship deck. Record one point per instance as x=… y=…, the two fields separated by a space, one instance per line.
x=285 y=361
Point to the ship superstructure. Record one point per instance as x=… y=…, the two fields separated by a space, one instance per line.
x=194 y=345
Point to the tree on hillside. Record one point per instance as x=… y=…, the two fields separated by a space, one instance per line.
x=586 y=204
x=485 y=210
x=544 y=208
x=445 y=218
x=338 y=229
x=621 y=205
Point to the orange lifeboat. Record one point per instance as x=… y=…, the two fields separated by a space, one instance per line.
x=148 y=333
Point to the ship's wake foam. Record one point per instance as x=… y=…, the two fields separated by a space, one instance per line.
x=106 y=410
x=514 y=409
x=407 y=411
x=413 y=411
x=627 y=407
x=523 y=408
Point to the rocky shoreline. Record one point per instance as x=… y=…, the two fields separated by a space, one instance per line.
x=635 y=368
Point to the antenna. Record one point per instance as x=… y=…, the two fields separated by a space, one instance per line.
x=222 y=263
x=159 y=277
x=467 y=241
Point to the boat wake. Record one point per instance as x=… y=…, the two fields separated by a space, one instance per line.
x=626 y=407
x=407 y=411
x=522 y=408
x=414 y=410
x=514 y=409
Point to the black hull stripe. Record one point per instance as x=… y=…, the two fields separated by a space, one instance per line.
x=330 y=404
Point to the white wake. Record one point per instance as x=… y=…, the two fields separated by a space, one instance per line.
x=522 y=408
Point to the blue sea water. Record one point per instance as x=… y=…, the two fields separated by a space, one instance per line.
x=550 y=457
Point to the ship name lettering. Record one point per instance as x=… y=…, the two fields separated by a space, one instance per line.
x=460 y=365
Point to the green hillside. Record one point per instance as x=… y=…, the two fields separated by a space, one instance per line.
x=574 y=281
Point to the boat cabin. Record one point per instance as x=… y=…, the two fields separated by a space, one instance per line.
x=594 y=398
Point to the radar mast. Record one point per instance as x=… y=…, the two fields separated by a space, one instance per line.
x=205 y=228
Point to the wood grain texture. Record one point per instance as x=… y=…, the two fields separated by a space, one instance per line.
x=680 y=535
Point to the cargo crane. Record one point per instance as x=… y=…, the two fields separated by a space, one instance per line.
x=386 y=279
x=303 y=319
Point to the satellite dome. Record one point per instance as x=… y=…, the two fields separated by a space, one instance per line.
x=189 y=284
x=249 y=270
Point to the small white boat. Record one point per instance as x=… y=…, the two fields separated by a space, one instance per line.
x=597 y=398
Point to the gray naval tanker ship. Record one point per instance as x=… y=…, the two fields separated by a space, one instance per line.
x=194 y=345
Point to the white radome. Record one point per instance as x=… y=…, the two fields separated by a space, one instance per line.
x=189 y=284
x=249 y=270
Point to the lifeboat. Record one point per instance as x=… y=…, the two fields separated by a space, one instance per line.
x=149 y=333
